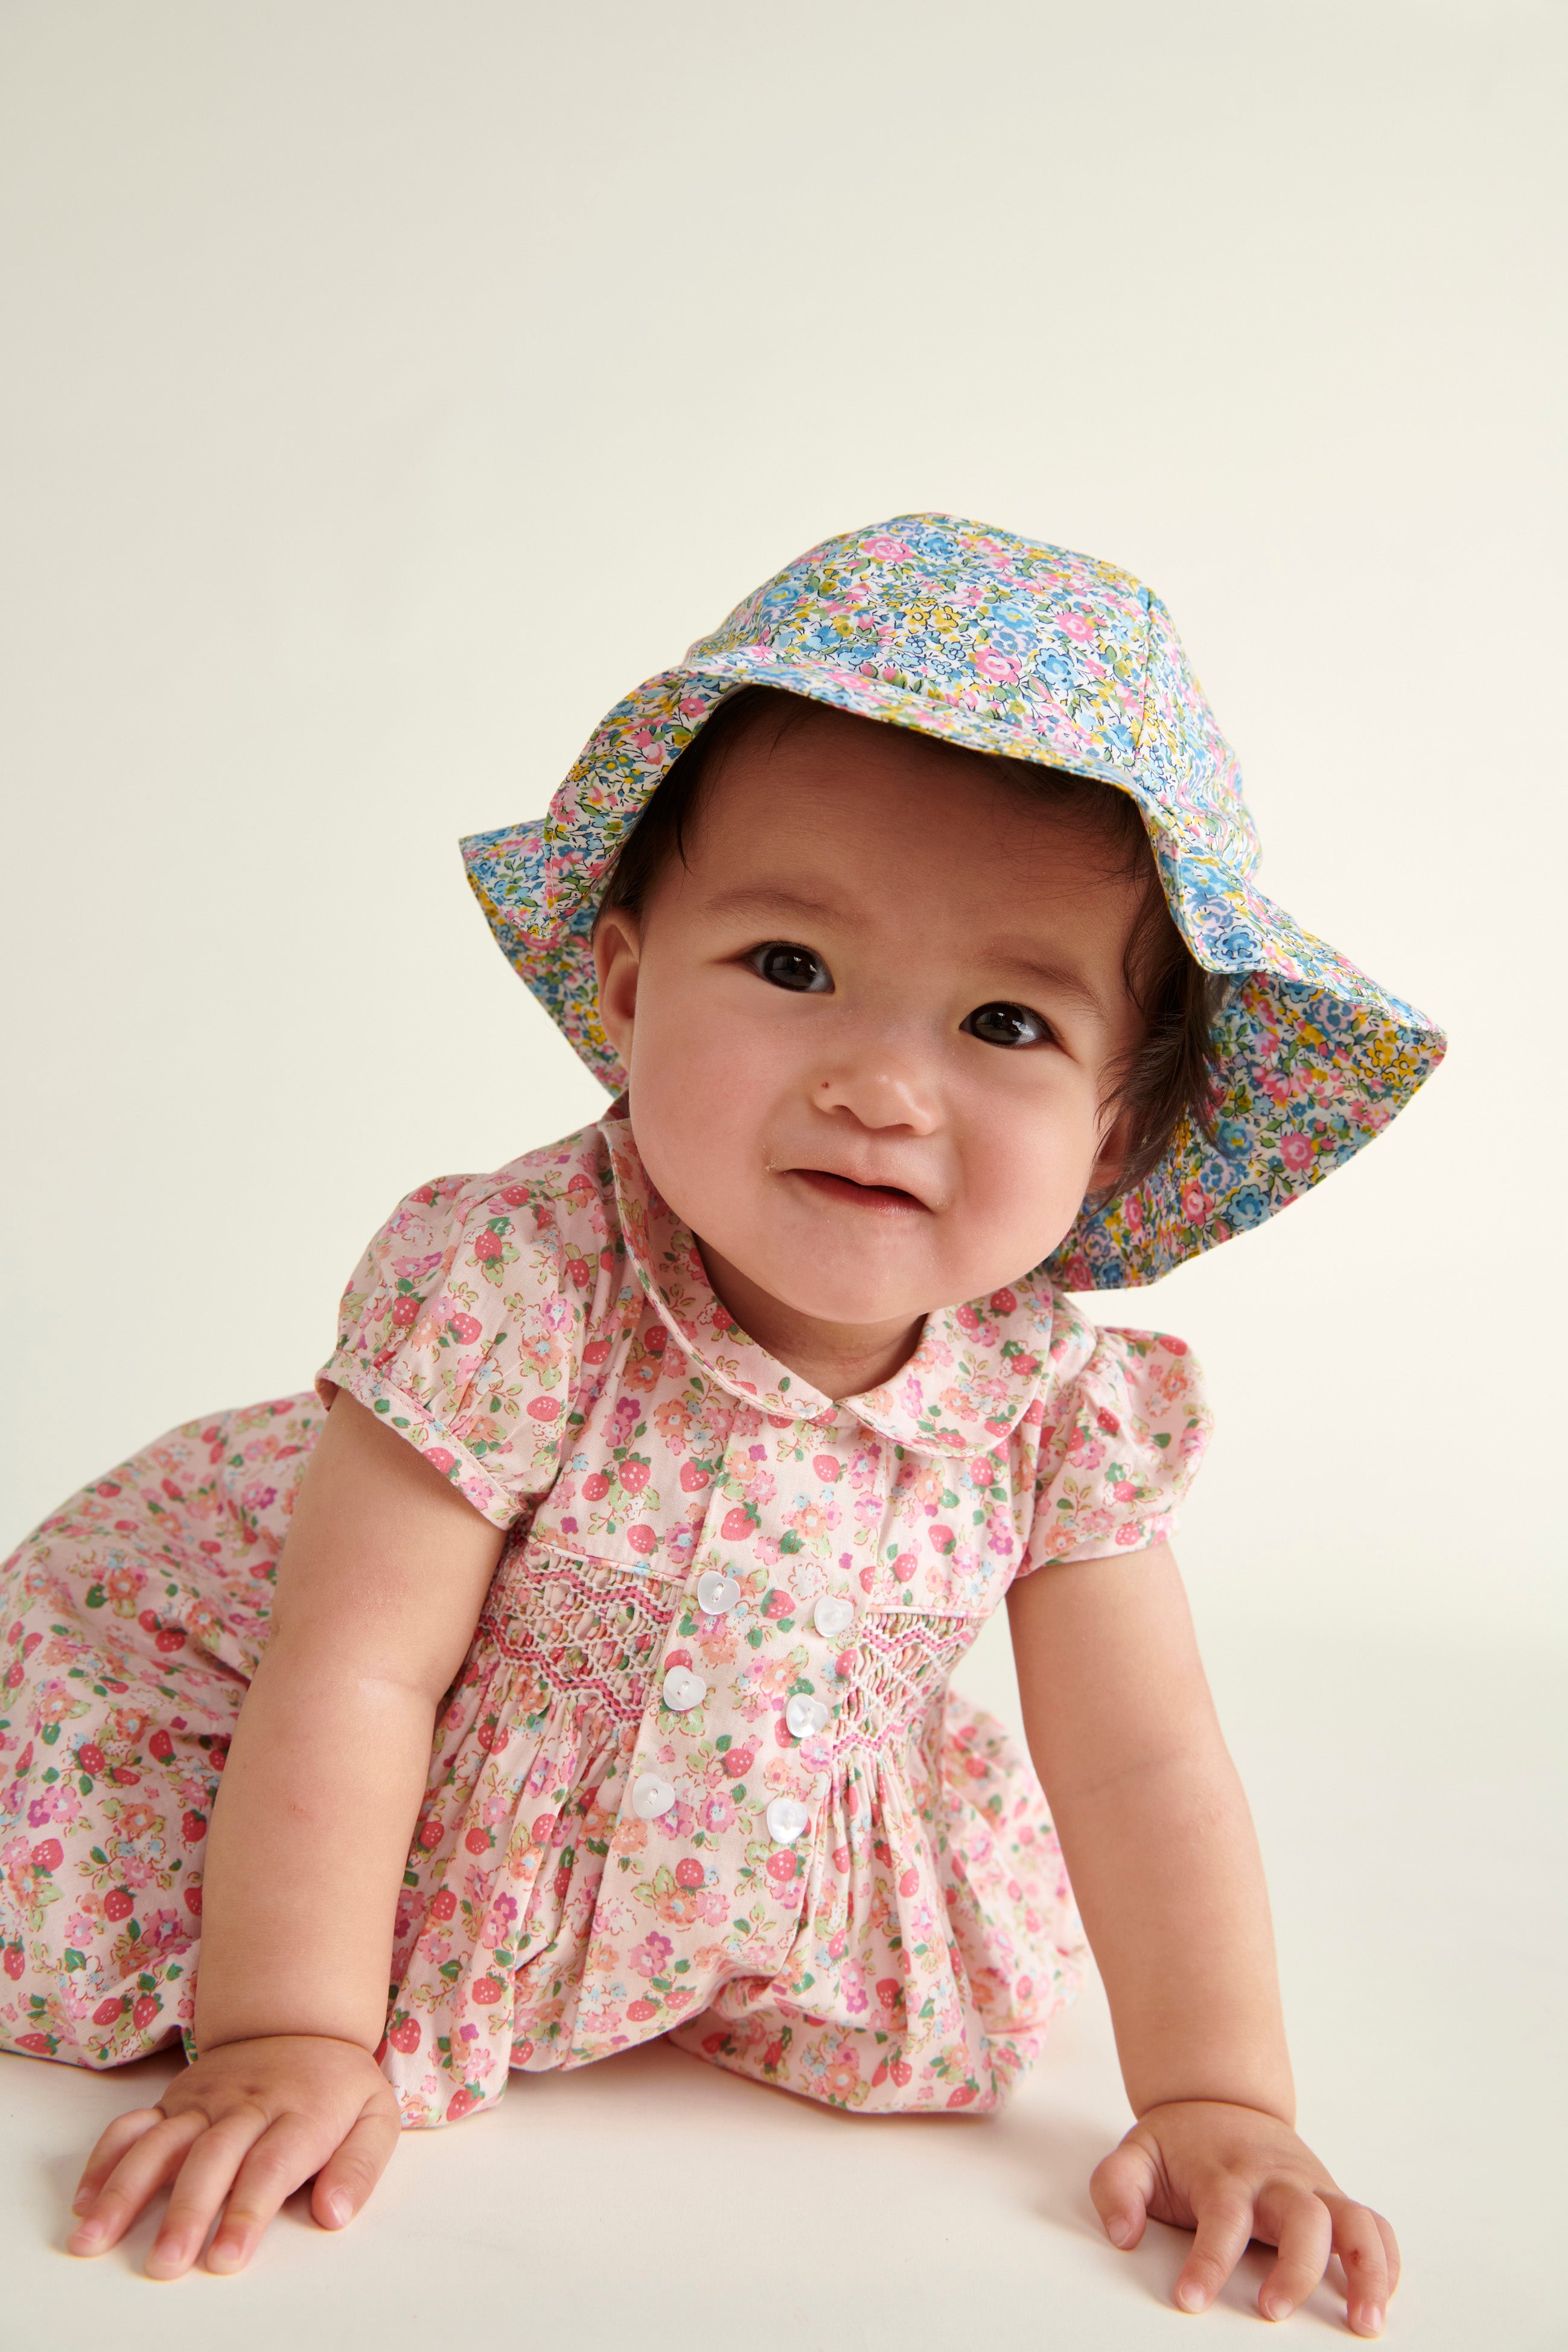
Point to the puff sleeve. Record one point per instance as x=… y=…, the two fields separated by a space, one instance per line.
x=460 y=1328
x=1120 y=1446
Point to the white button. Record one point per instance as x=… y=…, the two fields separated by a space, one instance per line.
x=716 y=1594
x=805 y=1715
x=787 y=1819
x=682 y=1689
x=833 y=1614
x=651 y=1796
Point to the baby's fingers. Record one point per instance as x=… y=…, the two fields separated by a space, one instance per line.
x=1369 y=2253
x=213 y=2168
x=1294 y=2219
x=108 y=2149
x=287 y=2153
x=1224 y=2214
x=156 y=2152
x=347 y=2178
x=1121 y=2187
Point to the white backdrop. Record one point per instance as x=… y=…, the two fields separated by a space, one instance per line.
x=388 y=388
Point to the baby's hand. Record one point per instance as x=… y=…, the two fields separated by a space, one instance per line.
x=1231 y=2174
x=240 y=2130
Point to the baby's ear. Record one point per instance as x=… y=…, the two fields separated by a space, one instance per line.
x=1110 y=1159
x=617 y=959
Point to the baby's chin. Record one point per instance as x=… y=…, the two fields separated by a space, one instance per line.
x=858 y=1294
x=855 y=1266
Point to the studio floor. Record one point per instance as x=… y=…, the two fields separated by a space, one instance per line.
x=1407 y=1809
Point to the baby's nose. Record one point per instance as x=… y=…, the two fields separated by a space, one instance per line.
x=880 y=1093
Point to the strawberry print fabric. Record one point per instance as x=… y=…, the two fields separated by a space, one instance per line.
x=718 y=1585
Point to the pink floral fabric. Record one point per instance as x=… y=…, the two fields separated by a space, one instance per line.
x=716 y=1582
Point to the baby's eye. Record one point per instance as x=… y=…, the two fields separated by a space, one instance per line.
x=787 y=966
x=1007 y=1025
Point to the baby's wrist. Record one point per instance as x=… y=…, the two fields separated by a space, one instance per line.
x=226 y=2029
x=1273 y=2110
x=214 y=2046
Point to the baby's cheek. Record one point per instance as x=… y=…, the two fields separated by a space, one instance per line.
x=701 y=1083
x=1026 y=1168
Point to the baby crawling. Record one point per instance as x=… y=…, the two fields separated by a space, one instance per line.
x=573 y=1668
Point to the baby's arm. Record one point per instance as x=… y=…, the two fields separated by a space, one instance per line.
x=379 y=1589
x=1160 y=1847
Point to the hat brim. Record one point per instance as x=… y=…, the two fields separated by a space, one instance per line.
x=1315 y=1057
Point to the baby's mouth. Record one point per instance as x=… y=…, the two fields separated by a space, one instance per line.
x=887 y=1198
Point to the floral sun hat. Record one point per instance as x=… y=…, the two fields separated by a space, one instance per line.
x=1005 y=644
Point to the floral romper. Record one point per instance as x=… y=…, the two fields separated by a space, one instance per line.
x=700 y=1772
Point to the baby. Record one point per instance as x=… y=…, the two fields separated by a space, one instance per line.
x=600 y=1687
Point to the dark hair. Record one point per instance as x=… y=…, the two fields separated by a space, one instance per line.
x=1171 y=1073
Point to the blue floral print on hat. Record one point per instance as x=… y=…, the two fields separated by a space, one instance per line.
x=1006 y=645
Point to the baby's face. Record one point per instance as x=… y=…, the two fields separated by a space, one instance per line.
x=869 y=1025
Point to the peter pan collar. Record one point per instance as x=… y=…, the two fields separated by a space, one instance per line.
x=969 y=1383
